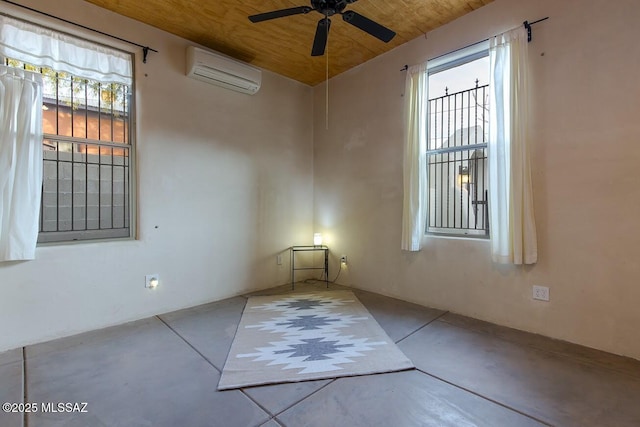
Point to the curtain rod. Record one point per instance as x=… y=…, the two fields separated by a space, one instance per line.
x=145 y=49
x=526 y=24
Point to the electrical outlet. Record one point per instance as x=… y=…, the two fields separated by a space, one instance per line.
x=279 y=259
x=151 y=281
x=343 y=259
x=541 y=293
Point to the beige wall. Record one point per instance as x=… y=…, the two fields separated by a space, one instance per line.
x=585 y=154
x=224 y=183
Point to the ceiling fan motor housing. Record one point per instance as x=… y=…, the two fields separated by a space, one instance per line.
x=330 y=7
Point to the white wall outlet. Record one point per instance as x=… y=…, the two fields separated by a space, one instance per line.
x=151 y=280
x=343 y=259
x=279 y=259
x=541 y=293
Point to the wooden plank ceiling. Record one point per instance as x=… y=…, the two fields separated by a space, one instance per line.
x=283 y=45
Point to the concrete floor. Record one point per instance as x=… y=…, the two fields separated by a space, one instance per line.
x=163 y=371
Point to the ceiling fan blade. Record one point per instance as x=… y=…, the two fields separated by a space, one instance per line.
x=369 y=26
x=279 y=13
x=320 y=41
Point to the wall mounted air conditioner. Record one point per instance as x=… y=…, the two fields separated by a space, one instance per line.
x=220 y=70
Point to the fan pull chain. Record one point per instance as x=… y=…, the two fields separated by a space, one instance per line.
x=327 y=90
x=326 y=101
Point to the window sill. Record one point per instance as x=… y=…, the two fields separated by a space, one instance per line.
x=465 y=237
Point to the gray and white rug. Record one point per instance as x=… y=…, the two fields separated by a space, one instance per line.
x=298 y=337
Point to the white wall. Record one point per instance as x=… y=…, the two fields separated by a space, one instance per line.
x=585 y=135
x=225 y=182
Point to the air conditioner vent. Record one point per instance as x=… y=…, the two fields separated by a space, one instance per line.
x=222 y=71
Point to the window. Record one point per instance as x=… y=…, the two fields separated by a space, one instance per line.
x=87 y=155
x=454 y=172
x=458 y=126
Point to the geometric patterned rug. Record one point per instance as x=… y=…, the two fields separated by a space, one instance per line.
x=310 y=336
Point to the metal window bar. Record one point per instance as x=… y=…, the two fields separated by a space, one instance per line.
x=99 y=169
x=99 y=111
x=70 y=157
x=80 y=156
x=86 y=108
x=458 y=195
x=124 y=114
x=113 y=177
x=112 y=99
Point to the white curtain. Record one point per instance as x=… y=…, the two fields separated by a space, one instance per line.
x=43 y=47
x=413 y=207
x=20 y=162
x=513 y=232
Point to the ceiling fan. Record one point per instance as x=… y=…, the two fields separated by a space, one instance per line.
x=329 y=8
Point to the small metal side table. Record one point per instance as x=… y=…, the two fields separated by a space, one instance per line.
x=310 y=248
